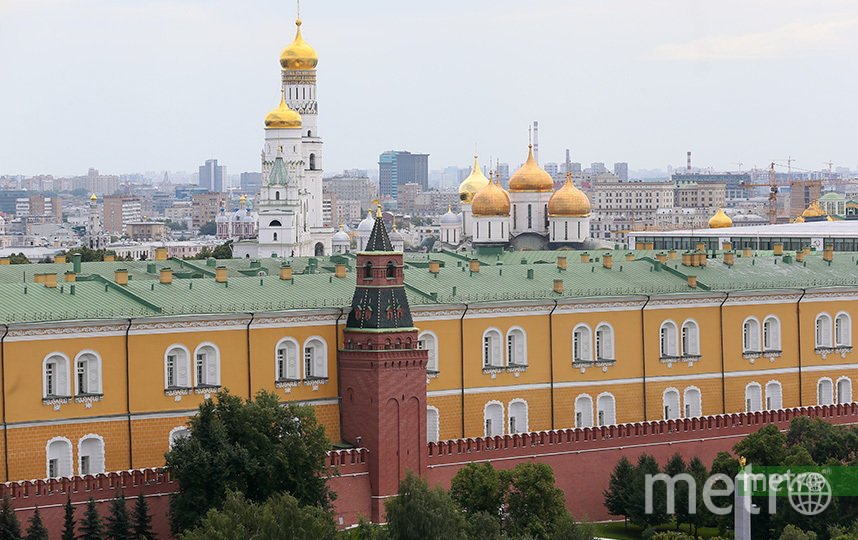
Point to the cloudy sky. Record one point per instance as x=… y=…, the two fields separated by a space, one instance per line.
x=136 y=85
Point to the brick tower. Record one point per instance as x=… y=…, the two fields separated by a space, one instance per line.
x=382 y=372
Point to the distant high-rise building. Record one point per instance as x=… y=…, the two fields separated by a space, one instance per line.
x=400 y=167
x=575 y=167
x=621 y=169
x=503 y=174
x=120 y=210
x=251 y=182
x=552 y=169
x=598 y=167
x=212 y=175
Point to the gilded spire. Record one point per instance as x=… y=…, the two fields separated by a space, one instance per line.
x=282 y=116
x=473 y=183
x=298 y=54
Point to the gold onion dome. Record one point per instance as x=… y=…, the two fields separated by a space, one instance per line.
x=531 y=177
x=813 y=210
x=93 y=198
x=473 y=183
x=282 y=117
x=568 y=201
x=298 y=55
x=720 y=220
x=490 y=201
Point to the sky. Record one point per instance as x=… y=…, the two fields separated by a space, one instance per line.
x=152 y=85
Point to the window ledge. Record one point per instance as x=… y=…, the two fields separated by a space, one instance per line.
x=583 y=363
x=516 y=368
x=752 y=355
x=604 y=362
x=842 y=350
x=669 y=359
x=315 y=381
x=492 y=370
x=432 y=373
x=56 y=400
x=285 y=383
x=824 y=351
x=207 y=389
x=88 y=398
x=177 y=391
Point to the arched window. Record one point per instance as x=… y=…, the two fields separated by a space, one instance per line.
x=581 y=349
x=751 y=335
x=670 y=401
x=774 y=395
x=58 y=453
x=824 y=392
x=753 y=397
x=492 y=356
x=432 y=424
x=277 y=195
x=177 y=367
x=181 y=432
x=428 y=341
x=842 y=330
x=518 y=416
x=516 y=347
x=312 y=158
x=391 y=270
x=583 y=411
x=690 y=339
x=693 y=406
x=90 y=450
x=493 y=416
x=87 y=379
x=275 y=223
x=315 y=358
x=844 y=390
x=367 y=270
x=606 y=410
x=55 y=376
x=287 y=360
x=823 y=330
x=604 y=342
x=207 y=366
x=771 y=334
x=667 y=338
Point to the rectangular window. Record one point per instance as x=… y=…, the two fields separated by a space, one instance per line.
x=84 y=465
x=512 y=424
x=487 y=351
x=579 y=419
x=308 y=361
x=281 y=364
x=53 y=467
x=201 y=369
x=50 y=379
x=688 y=411
x=488 y=427
x=171 y=370
x=81 y=377
x=510 y=349
x=529 y=216
x=601 y=416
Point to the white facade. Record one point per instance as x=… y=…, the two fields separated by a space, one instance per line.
x=491 y=230
x=568 y=229
x=529 y=212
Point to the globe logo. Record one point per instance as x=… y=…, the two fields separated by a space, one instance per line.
x=809 y=493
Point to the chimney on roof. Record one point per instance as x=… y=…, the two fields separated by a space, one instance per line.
x=630 y=256
x=76 y=263
x=799 y=256
x=661 y=257
x=558 y=286
x=166 y=275
x=474 y=265
x=608 y=261
x=285 y=271
x=746 y=252
x=109 y=258
x=120 y=276
x=60 y=259
x=70 y=277
x=671 y=255
x=434 y=267
x=585 y=257
x=727 y=246
x=340 y=270
x=778 y=249
x=160 y=254
x=729 y=258
x=828 y=253
x=51 y=281
x=561 y=262
x=692 y=282
x=220 y=274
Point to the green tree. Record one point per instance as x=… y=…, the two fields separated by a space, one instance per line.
x=420 y=512
x=258 y=448
x=698 y=517
x=792 y=532
x=478 y=487
x=823 y=440
x=223 y=251
x=674 y=467
x=280 y=517
x=535 y=506
x=91 y=527
x=141 y=520
x=364 y=531
x=68 y=520
x=118 y=522
x=19 y=258
x=766 y=447
x=209 y=228
x=619 y=493
x=727 y=465
x=647 y=466
x=36 y=529
x=10 y=529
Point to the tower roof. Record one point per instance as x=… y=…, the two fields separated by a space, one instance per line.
x=278 y=173
x=473 y=183
x=282 y=117
x=378 y=238
x=531 y=177
x=298 y=54
x=720 y=220
x=569 y=201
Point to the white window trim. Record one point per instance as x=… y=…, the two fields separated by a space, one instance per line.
x=675 y=352
x=759 y=387
x=687 y=322
x=438 y=422
x=772 y=383
x=592 y=410
x=685 y=400
x=299 y=352
x=759 y=336
x=612 y=341
x=830 y=330
x=836 y=388
x=526 y=416
x=503 y=416
x=198 y=348
x=171 y=438
x=589 y=333
x=66 y=392
x=777 y=320
x=668 y=390
x=80 y=453
x=487 y=364
x=596 y=408
x=48 y=455
x=833 y=390
x=848 y=342
x=433 y=353
x=522 y=361
x=98 y=368
x=324 y=354
x=188 y=363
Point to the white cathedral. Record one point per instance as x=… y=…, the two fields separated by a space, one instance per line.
x=289 y=203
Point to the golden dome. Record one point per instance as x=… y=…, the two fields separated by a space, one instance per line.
x=531 y=177
x=282 y=117
x=799 y=219
x=299 y=55
x=568 y=201
x=492 y=200
x=813 y=210
x=93 y=198
x=472 y=184
x=242 y=199
x=720 y=220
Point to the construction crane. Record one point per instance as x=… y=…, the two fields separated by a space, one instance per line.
x=773 y=194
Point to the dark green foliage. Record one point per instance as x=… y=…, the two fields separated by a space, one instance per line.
x=638 y=515
x=87 y=254
x=223 y=251
x=364 y=531
x=765 y=447
x=676 y=466
x=142 y=521
x=424 y=513
x=10 y=529
x=822 y=440
x=209 y=228
x=118 y=522
x=91 y=527
x=699 y=517
x=280 y=517
x=36 y=530
x=478 y=487
x=535 y=507
x=19 y=258
x=619 y=494
x=68 y=521
x=257 y=448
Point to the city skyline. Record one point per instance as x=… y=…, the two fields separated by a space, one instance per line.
x=152 y=85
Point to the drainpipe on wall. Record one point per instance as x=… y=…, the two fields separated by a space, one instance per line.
x=551 y=357
x=798 y=331
x=128 y=398
x=643 y=355
x=249 y=383
x=723 y=380
x=462 y=367
x=3 y=391
x=337 y=343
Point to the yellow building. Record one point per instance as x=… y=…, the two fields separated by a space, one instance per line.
x=103 y=363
